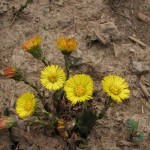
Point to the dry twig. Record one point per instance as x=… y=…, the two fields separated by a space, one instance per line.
x=20 y=10
x=144 y=90
x=137 y=41
x=144 y=18
x=115 y=49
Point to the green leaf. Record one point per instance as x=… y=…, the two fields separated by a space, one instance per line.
x=131 y=125
x=86 y=121
x=93 y=39
x=140 y=137
x=88 y=40
x=81 y=146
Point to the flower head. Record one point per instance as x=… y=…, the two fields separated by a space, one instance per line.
x=53 y=77
x=66 y=44
x=7 y=122
x=116 y=87
x=12 y=72
x=25 y=105
x=33 y=46
x=79 y=88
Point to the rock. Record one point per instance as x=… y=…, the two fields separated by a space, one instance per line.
x=139 y=68
x=127 y=13
x=129 y=23
x=104 y=38
x=60 y=3
x=5 y=8
x=103 y=32
x=131 y=50
x=111 y=29
x=2 y=72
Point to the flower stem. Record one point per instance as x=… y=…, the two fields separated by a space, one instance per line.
x=84 y=106
x=46 y=63
x=56 y=99
x=106 y=107
x=42 y=98
x=66 y=57
x=41 y=122
x=42 y=112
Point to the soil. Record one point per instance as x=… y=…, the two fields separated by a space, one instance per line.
x=75 y=18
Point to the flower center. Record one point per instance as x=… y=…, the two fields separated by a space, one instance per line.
x=114 y=89
x=79 y=91
x=27 y=105
x=53 y=77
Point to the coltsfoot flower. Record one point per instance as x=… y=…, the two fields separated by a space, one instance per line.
x=66 y=44
x=116 y=87
x=12 y=72
x=33 y=46
x=25 y=105
x=53 y=77
x=79 y=88
x=7 y=122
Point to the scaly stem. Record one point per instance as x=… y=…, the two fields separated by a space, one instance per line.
x=106 y=107
x=84 y=106
x=56 y=99
x=45 y=62
x=66 y=57
x=42 y=98
x=43 y=112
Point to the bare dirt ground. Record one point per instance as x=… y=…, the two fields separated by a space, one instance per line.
x=78 y=18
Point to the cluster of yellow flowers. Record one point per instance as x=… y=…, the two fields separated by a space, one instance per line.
x=78 y=88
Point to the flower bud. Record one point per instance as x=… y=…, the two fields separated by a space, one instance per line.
x=12 y=72
x=7 y=122
x=33 y=47
x=61 y=127
x=66 y=45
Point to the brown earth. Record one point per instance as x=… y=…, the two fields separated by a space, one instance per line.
x=76 y=18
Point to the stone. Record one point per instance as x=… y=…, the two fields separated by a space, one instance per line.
x=5 y=8
x=60 y=3
x=111 y=29
x=139 y=68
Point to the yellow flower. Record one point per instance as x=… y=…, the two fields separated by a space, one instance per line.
x=33 y=46
x=116 y=87
x=66 y=44
x=79 y=88
x=53 y=77
x=25 y=105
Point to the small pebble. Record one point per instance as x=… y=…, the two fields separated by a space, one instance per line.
x=5 y=8
x=60 y=3
x=139 y=68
